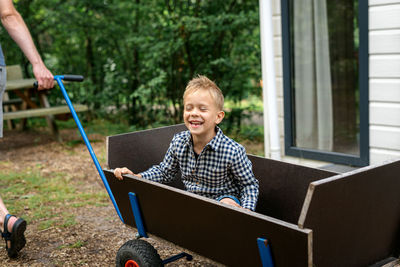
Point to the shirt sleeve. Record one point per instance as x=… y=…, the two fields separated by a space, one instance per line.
x=166 y=171
x=243 y=172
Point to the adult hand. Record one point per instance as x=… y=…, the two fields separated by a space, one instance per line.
x=43 y=76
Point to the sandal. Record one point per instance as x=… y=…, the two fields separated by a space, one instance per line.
x=16 y=237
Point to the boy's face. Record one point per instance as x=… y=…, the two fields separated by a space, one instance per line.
x=201 y=114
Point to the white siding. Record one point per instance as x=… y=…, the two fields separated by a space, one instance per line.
x=384 y=17
x=278 y=45
x=384 y=90
x=381 y=155
x=384 y=73
x=279 y=86
x=382 y=2
x=385 y=114
x=384 y=66
x=385 y=137
x=384 y=42
x=278 y=67
x=276 y=7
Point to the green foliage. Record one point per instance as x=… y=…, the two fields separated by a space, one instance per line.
x=137 y=56
x=254 y=133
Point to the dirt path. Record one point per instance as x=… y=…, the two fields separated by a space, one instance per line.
x=97 y=233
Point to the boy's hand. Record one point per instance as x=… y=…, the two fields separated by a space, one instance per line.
x=118 y=172
x=230 y=201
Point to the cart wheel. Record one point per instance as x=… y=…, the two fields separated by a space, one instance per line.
x=138 y=253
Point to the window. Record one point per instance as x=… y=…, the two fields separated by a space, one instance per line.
x=325 y=70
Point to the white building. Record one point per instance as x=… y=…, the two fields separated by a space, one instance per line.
x=337 y=77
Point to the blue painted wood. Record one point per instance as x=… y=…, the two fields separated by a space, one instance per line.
x=265 y=252
x=137 y=215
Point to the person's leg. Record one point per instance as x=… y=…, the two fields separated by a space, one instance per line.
x=3 y=213
x=12 y=230
x=3 y=76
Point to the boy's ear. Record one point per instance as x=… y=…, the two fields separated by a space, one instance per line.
x=220 y=116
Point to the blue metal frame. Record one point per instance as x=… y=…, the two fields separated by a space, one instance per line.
x=177 y=257
x=265 y=252
x=137 y=215
x=59 y=79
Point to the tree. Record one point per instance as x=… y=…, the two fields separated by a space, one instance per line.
x=137 y=56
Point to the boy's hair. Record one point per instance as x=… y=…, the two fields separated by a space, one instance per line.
x=203 y=83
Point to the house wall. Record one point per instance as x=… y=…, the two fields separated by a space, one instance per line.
x=384 y=83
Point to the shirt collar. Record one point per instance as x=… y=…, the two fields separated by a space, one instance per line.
x=213 y=144
x=216 y=141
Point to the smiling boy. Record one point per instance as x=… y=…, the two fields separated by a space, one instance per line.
x=211 y=164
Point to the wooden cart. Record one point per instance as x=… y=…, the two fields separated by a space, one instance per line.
x=304 y=216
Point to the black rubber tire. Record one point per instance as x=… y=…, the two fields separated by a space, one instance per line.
x=143 y=253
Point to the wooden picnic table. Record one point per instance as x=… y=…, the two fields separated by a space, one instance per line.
x=20 y=84
x=30 y=102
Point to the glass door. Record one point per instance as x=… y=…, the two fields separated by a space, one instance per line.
x=325 y=55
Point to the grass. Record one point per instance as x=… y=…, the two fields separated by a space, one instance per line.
x=47 y=200
x=77 y=244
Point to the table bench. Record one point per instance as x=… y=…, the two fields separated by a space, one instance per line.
x=30 y=102
x=40 y=112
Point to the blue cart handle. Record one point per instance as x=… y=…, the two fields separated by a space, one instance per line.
x=59 y=79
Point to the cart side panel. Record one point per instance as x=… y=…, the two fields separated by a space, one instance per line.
x=355 y=217
x=140 y=150
x=283 y=187
x=224 y=234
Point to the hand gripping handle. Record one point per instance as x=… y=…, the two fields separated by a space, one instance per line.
x=66 y=77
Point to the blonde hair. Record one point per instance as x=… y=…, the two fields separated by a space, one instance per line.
x=203 y=83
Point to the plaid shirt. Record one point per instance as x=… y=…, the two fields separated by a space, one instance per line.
x=222 y=168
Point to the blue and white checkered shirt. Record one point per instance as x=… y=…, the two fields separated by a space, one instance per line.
x=222 y=168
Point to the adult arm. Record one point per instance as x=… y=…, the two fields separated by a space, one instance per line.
x=17 y=29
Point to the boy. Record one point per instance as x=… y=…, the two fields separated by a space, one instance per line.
x=211 y=164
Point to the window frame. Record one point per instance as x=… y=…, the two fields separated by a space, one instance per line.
x=355 y=160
